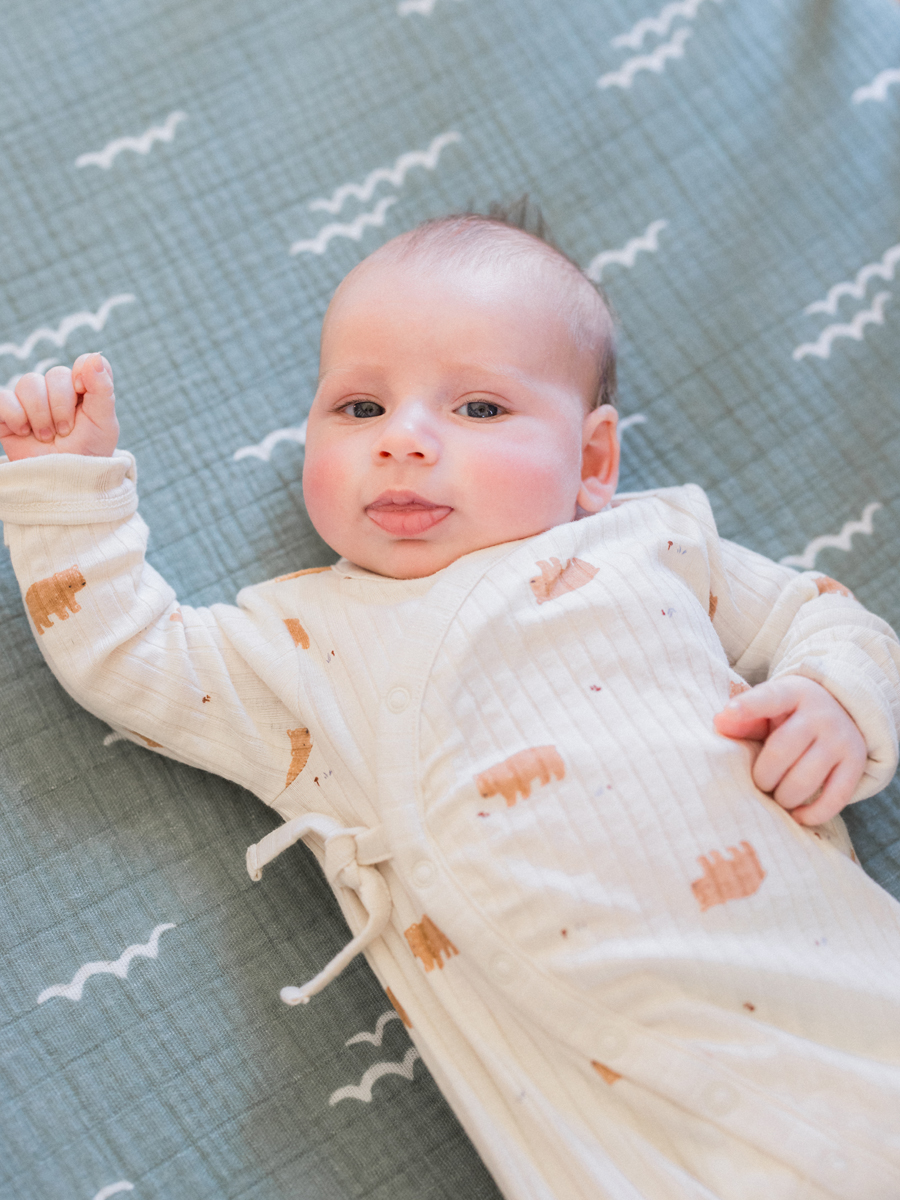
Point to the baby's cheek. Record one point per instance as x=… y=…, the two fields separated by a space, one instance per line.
x=534 y=491
x=324 y=488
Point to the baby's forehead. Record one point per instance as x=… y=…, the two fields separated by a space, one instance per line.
x=524 y=272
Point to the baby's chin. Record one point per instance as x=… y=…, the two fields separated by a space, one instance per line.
x=408 y=559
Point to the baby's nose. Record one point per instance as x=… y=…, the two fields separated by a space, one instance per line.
x=409 y=435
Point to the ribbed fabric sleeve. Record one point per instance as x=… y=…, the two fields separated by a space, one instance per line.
x=113 y=633
x=68 y=489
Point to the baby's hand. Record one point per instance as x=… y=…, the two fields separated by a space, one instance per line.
x=62 y=412
x=812 y=746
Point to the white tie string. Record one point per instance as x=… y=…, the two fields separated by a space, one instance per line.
x=350 y=855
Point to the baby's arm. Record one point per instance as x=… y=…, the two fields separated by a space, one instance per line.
x=813 y=754
x=827 y=673
x=178 y=679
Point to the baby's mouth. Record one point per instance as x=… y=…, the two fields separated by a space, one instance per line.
x=405 y=514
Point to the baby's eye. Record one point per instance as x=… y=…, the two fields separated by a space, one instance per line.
x=363 y=408
x=480 y=408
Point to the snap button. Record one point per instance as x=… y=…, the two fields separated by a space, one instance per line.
x=612 y=1043
x=423 y=873
x=719 y=1098
x=503 y=968
x=398 y=699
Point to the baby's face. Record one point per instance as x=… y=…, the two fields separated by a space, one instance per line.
x=451 y=414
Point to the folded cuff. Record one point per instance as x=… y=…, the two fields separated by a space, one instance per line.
x=68 y=489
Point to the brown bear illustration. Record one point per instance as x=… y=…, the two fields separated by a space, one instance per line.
x=301 y=744
x=55 y=597
x=428 y=944
x=514 y=775
x=398 y=1008
x=713 y=605
x=605 y=1073
x=826 y=585
x=730 y=878
x=297 y=632
x=556 y=579
x=147 y=741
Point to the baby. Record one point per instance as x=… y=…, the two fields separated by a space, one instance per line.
x=585 y=857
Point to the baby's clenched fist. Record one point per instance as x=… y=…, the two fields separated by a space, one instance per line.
x=813 y=755
x=63 y=412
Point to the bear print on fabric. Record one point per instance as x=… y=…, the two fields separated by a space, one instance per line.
x=713 y=605
x=398 y=1008
x=147 y=741
x=297 y=632
x=54 y=597
x=513 y=777
x=556 y=579
x=301 y=744
x=297 y=574
x=827 y=585
x=428 y=944
x=605 y=1073
x=730 y=878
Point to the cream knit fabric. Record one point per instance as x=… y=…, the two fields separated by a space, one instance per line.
x=632 y=974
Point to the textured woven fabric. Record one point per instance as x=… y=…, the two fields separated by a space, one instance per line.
x=763 y=133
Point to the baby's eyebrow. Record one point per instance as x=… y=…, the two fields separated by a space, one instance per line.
x=369 y=368
x=478 y=371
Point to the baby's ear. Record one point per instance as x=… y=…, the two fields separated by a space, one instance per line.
x=599 y=459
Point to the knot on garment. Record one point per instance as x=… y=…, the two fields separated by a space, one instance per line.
x=350 y=858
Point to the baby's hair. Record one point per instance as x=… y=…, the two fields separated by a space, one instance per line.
x=518 y=230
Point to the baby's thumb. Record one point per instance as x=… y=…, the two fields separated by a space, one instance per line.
x=93 y=377
x=735 y=723
x=749 y=714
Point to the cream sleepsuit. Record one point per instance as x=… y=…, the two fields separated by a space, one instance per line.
x=632 y=974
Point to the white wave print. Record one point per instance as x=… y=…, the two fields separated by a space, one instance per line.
x=263 y=450
x=67 y=326
x=424 y=7
x=839 y=541
x=855 y=329
x=376 y=1037
x=627 y=422
x=73 y=990
x=40 y=368
x=878 y=88
x=646 y=62
x=394 y=175
x=113 y=1189
x=363 y=1089
x=319 y=244
x=881 y=270
x=660 y=24
x=156 y=133
x=649 y=241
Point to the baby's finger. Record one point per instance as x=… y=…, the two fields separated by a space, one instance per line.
x=96 y=379
x=835 y=795
x=784 y=746
x=31 y=392
x=62 y=399
x=12 y=415
x=81 y=363
x=806 y=777
x=733 y=722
